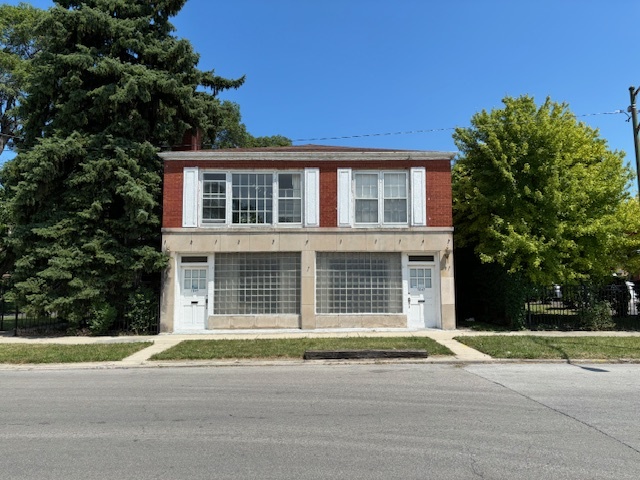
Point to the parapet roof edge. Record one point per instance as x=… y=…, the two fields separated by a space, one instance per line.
x=400 y=155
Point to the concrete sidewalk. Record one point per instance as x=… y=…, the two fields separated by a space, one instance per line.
x=461 y=352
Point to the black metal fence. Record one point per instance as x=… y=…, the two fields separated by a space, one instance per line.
x=20 y=324
x=584 y=307
x=17 y=323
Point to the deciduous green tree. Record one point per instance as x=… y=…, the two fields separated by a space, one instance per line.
x=626 y=248
x=539 y=193
x=230 y=132
x=110 y=85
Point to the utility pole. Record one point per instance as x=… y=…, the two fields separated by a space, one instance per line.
x=633 y=93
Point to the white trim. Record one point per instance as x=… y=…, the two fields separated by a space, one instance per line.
x=311 y=193
x=313 y=156
x=210 y=290
x=275 y=174
x=179 y=317
x=418 y=197
x=380 y=174
x=345 y=199
x=174 y=263
x=436 y=279
x=179 y=265
x=190 y=197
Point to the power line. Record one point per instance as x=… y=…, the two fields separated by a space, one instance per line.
x=384 y=134
x=615 y=112
x=431 y=130
x=409 y=132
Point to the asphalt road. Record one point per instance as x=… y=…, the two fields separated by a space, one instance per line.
x=498 y=421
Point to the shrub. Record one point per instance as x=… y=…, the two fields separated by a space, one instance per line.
x=597 y=316
x=142 y=311
x=102 y=318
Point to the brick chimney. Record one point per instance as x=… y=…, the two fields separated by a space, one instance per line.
x=191 y=141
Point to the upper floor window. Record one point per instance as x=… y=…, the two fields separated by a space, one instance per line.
x=369 y=198
x=214 y=197
x=252 y=198
x=289 y=198
x=240 y=198
x=381 y=195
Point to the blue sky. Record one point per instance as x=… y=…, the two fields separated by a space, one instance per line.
x=352 y=68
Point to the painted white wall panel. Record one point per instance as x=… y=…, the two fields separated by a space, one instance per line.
x=344 y=197
x=311 y=197
x=418 y=196
x=190 y=197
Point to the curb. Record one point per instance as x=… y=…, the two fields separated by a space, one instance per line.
x=230 y=363
x=435 y=360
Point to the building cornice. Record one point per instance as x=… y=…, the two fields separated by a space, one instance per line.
x=271 y=156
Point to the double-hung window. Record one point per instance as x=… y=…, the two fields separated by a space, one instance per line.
x=289 y=198
x=395 y=197
x=381 y=197
x=262 y=198
x=366 y=196
x=214 y=197
x=377 y=198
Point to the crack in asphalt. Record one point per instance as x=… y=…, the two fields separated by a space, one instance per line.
x=593 y=427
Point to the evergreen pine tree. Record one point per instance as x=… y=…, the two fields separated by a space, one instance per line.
x=111 y=85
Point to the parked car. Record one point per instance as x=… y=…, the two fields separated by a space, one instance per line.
x=622 y=297
x=633 y=300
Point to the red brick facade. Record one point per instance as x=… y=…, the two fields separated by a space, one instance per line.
x=439 y=198
x=438 y=185
x=172 y=195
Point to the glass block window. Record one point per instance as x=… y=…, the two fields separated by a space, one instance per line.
x=358 y=283
x=289 y=198
x=252 y=198
x=256 y=283
x=195 y=279
x=214 y=197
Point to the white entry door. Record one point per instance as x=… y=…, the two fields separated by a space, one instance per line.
x=422 y=301
x=193 y=301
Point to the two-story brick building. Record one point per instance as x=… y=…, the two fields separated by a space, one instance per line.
x=307 y=237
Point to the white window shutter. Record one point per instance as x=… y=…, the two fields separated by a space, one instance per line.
x=311 y=197
x=190 y=197
x=344 y=197
x=418 y=196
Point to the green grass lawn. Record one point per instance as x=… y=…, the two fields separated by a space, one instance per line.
x=20 y=353
x=568 y=348
x=497 y=346
x=292 y=348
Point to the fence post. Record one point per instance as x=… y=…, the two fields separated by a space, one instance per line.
x=15 y=327
x=1 y=307
x=528 y=322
